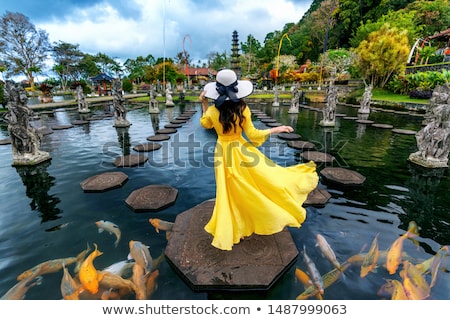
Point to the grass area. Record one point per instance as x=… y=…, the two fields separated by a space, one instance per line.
x=384 y=95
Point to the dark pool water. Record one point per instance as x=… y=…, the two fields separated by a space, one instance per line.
x=46 y=215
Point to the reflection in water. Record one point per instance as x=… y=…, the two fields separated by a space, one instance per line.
x=424 y=186
x=38 y=182
x=124 y=140
x=155 y=121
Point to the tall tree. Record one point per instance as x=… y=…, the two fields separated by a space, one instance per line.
x=23 y=48
x=66 y=56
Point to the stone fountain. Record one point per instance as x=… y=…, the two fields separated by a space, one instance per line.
x=295 y=101
x=82 y=103
x=433 y=140
x=153 y=103
x=25 y=140
x=365 y=102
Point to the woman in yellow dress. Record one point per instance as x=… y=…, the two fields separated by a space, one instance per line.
x=253 y=194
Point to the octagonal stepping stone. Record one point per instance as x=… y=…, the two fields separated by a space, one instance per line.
x=263 y=116
x=317 y=156
x=158 y=137
x=152 y=198
x=274 y=124
x=79 y=122
x=131 y=160
x=147 y=147
x=340 y=115
x=5 y=141
x=104 y=181
x=44 y=131
x=268 y=120
x=62 y=127
x=365 y=121
x=183 y=118
x=289 y=136
x=382 y=126
x=166 y=131
x=350 y=118
x=301 y=145
x=342 y=176
x=257 y=262
x=177 y=121
x=317 y=197
x=404 y=131
x=173 y=125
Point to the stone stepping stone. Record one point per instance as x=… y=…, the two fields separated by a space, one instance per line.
x=104 y=182
x=256 y=263
x=262 y=117
x=5 y=141
x=173 y=125
x=268 y=120
x=44 y=131
x=177 y=121
x=79 y=122
x=183 y=118
x=63 y=127
x=147 y=147
x=317 y=197
x=131 y=160
x=350 y=118
x=289 y=136
x=274 y=124
x=382 y=126
x=317 y=156
x=340 y=115
x=301 y=145
x=404 y=131
x=158 y=137
x=152 y=198
x=365 y=121
x=342 y=176
x=166 y=131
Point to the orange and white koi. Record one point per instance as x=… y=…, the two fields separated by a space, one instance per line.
x=141 y=255
x=20 y=289
x=327 y=252
x=114 y=281
x=88 y=275
x=414 y=283
x=70 y=289
x=110 y=227
x=314 y=273
x=396 y=289
x=120 y=268
x=151 y=285
x=139 y=280
x=371 y=258
x=161 y=224
x=305 y=280
x=435 y=265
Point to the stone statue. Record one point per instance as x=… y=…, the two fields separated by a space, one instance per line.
x=120 y=112
x=276 y=102
x=153 y=103
x=25 y=140
x=169 y=99
x=295 y=100
x=433 y=140
x=365 y=102
x=82 y=103
x=330 y=108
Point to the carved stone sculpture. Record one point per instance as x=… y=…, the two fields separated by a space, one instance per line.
x=120 y=113
x=82 y=103
x=365 y=102
x=153 y=103
x=295 y=101
x=25 y=140
x=329 y=111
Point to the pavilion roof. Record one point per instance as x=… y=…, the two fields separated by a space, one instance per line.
x=102 y=77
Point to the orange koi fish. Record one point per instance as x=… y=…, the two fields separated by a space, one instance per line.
x=162 y=225
x=70 y=289
x=139 y=280
x=414 y=283
x=150 y=284
x=394 y=255
x=18 y=291
x=88 y=275
x=371 y=258
x=116 y=282
x=327 y=252
x=51 y=266
x=398 y=293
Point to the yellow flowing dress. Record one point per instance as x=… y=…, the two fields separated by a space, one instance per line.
x=253 y=193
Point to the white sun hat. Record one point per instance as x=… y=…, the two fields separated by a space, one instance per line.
x=226 y=78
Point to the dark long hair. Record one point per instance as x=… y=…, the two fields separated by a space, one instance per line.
x=230 y=112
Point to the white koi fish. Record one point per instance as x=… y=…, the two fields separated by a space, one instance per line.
x=327 y=252
x=314 y=273
x=110 y=227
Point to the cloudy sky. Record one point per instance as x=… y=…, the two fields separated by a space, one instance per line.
x=129 y=28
